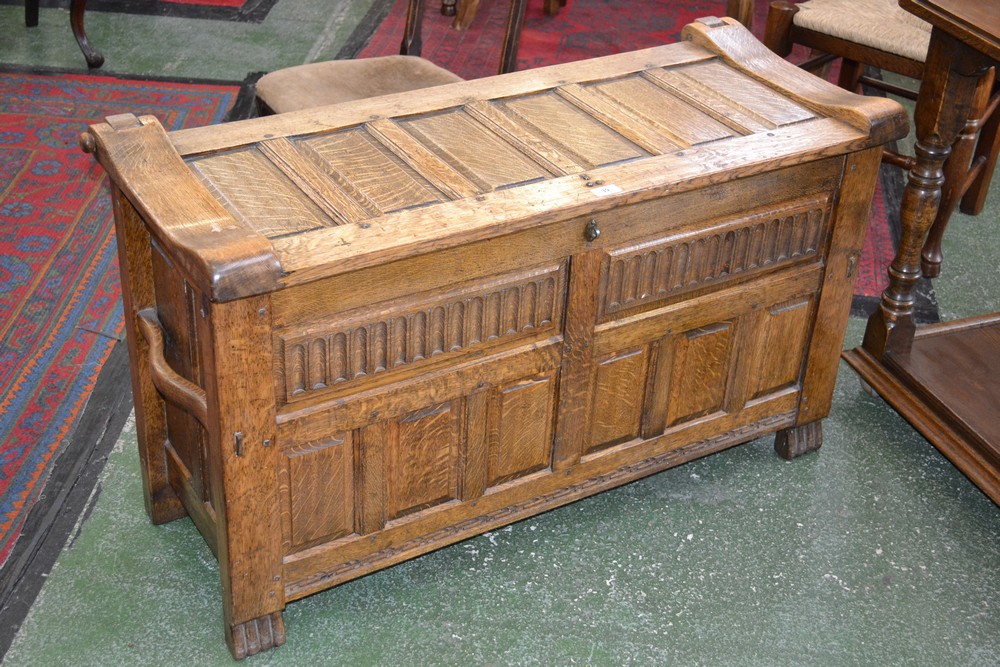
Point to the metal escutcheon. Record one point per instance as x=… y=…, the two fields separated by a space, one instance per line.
x=592 y=231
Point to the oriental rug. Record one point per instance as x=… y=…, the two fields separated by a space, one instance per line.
x=249 y=11
x=591 y=28
x=60 y=302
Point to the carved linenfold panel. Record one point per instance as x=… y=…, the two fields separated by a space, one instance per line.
x=413 y=330
x=662 y=268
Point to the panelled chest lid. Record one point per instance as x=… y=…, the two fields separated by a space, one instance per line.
x=252 y=206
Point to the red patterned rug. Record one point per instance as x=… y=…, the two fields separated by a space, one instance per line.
x=590 y=28
x=60 y=304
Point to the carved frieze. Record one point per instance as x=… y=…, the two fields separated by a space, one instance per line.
x=658 y=269
x=414 y=330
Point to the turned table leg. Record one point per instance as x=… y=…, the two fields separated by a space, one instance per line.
x=952 y=72
x=512 y=36
x=957 y=171
x=412 y=43
x=93 y=56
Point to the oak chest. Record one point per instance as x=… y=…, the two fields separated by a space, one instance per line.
x=363 y=332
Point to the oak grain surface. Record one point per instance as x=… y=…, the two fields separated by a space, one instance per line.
x=431 y=314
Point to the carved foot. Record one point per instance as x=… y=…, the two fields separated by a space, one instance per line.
x=256 y=635
x=798 y=440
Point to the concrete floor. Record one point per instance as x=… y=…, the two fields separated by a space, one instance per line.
x=874 y=551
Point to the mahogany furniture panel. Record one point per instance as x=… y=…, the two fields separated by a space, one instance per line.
x=943 y=378
x=363 y=332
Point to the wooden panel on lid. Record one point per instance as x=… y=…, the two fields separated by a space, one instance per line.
x=371 y=172
x=666 y=114
x=475 y=152
x=572 y=131
x=739 y=89
x=712 y=102
x=258 y=195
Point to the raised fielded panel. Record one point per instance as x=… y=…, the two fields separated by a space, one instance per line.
x=670 y=116
x=372 y=176
x=781 y=346
x=422 y=459
x=474 y=150
x=258 y=194
x=317 y=482
x=713 y=85
x=619 y=397
x=521 y=416
x=568 y=130
x=700 y=361
x=701 y=368
x=175 y=313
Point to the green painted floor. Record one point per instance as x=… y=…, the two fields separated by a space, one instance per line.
x=294 y=32
x=874 y=551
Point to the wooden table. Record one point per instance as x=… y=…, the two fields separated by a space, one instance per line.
x=944 y=378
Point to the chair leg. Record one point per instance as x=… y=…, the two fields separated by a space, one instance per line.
x=512 y=37
x=411 y=44
x=957 y=172
x=93 y=56
x=552 y=6
x=987 y=151
x=850 y=74
x=742 y=11
x=448 y=7
x=31 y=13
x=778 y=30
x=466 y=13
